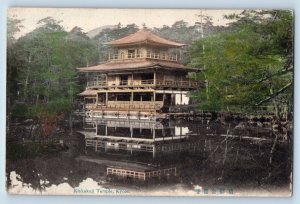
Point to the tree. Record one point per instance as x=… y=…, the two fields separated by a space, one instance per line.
x=13 y=27
x=48 y=58
x=249 y=65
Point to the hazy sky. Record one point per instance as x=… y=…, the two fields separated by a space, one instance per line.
x=89 y=19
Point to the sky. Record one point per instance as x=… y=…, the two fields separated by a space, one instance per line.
x=89 y=19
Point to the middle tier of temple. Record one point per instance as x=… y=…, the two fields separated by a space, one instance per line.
x=143 y=73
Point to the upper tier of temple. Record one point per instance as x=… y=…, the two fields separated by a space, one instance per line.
x=139 y=51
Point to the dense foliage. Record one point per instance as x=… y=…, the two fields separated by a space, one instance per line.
x=42 y=67
x=249 y=66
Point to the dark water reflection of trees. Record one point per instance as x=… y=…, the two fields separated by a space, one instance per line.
x=220 y=159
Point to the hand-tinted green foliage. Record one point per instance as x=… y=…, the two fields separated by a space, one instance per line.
x=13 y=27
x=180 y=31
x=44 y=62
x=249 y=66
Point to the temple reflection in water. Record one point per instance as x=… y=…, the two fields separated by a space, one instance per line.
x=144 y=143
x=149 y=136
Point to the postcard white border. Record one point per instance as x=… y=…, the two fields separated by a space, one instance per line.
x=217 y=4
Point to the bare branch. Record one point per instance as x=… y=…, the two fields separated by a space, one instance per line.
x=275 y=94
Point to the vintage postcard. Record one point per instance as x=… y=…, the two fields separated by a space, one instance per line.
x=149 y=102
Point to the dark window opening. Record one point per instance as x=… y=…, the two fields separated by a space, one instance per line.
x=146 y=77
x=159 y=97
x=101 y=129
x=118 y=131
x=142 y=96
x=119 y=97
x=144 y=133
x=167 y=100
x=124 y=80
x=167 y=132
x=131 y=53
x=112 y=97
x=90 y=100
x=101 y=98
x=159 y=133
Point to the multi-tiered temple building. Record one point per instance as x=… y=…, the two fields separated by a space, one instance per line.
x=142 y=75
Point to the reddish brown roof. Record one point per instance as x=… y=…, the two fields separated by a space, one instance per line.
x=134 y=65
x=144 y=37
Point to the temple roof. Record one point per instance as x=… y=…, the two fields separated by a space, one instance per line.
x=144 y=37
x=135 y=65
x=88 y=92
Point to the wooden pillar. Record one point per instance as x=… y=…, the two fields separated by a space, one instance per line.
x=106 y=98
x=154 y=78
x=153 y=151
x=172 y=99
x=105 y=130
x=97 y=99
x=181 y=99
x=140 y=127
x=153 y=132
x=96 y=129
x=153 y=101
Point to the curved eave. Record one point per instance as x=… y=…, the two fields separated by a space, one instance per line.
x=88 y=92
x=114 y=70
x=137 y=65
x=157 y=66
x=188 y=69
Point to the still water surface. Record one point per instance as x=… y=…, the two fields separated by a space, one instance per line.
x=203 y=158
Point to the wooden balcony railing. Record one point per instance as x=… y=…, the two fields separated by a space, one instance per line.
x=96 y=83
x=150 y=82
x=149 y=55
x=133 y=105
x=127 y=105
x=179 y=84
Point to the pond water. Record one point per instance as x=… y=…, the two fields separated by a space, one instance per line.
x=194 y=157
